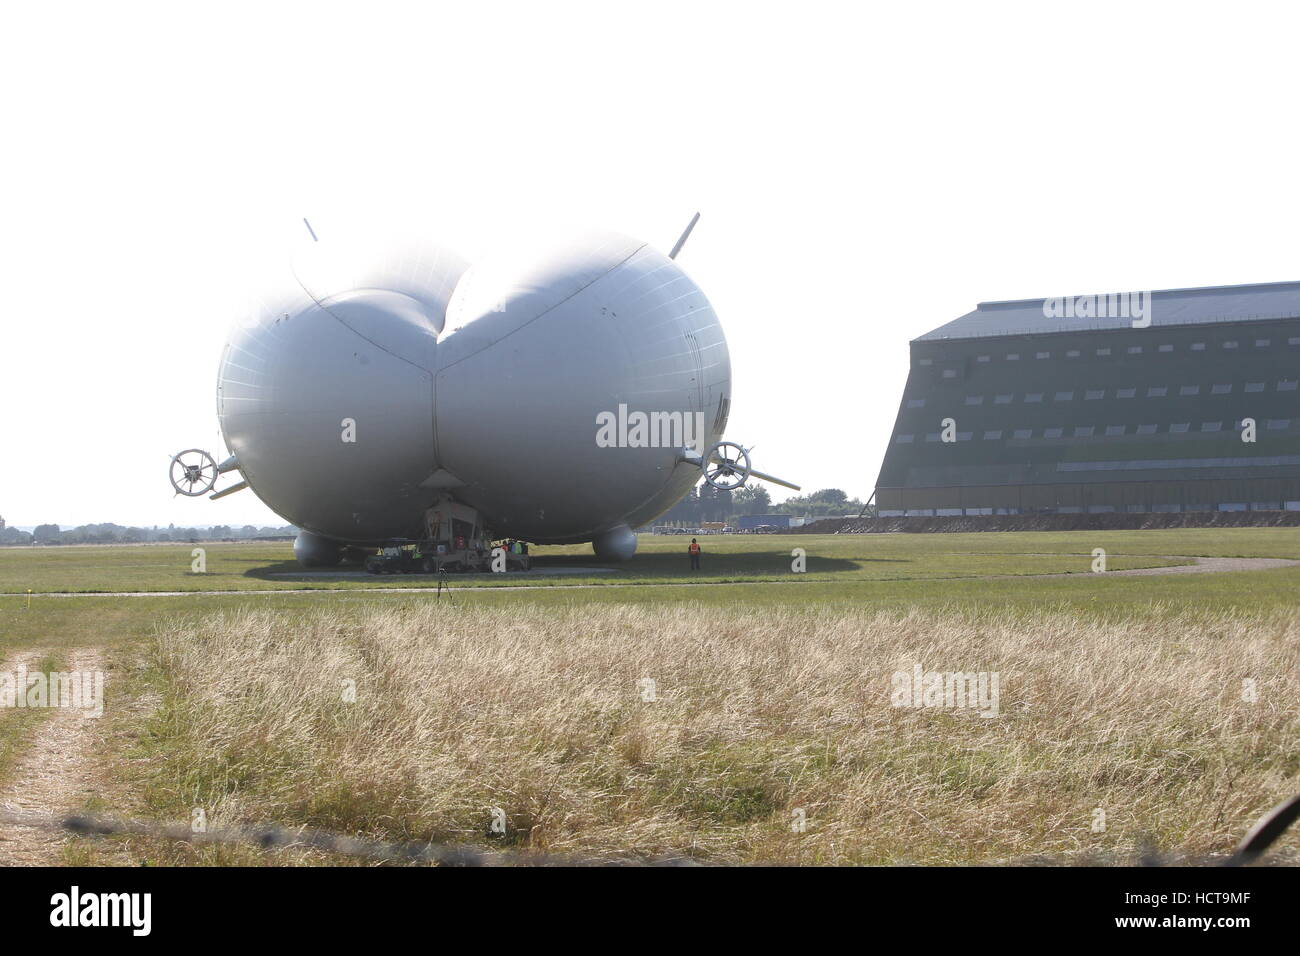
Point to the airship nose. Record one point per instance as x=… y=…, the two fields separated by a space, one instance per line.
x=330 y=412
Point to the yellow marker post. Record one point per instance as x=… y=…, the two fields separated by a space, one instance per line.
x=29 y=599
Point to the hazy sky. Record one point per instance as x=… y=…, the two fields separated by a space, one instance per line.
x=865 y=173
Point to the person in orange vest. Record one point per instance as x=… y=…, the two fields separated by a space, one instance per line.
x=694 y=550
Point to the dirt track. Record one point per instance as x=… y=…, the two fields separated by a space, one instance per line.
x=54 y=774
x=1206 y=565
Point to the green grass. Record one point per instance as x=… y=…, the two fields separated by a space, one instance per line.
x=879 y=571
x=660 y=559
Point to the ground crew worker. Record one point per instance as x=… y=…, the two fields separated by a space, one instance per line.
x=694 y=550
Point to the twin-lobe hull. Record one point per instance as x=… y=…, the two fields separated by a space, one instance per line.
x=351 y=415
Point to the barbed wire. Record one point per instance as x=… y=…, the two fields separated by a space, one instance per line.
x=1262 y=835
x=282 y=838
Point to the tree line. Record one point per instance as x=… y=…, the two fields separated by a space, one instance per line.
x=109 y=533
x=705 y=503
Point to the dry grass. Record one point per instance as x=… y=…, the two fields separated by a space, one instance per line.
x=539 y=712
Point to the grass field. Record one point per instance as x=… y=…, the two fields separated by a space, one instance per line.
x=830 y=558
x=1119 y=692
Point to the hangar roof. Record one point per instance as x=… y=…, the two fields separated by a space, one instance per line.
x=1224 y=303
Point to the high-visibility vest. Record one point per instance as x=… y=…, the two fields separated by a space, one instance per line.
x=695 y=548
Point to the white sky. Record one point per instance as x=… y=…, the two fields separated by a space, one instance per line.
x=866 y=172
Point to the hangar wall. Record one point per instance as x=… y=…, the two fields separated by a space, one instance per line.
x=1096 y=415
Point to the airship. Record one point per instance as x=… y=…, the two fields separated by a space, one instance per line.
x=554 y=393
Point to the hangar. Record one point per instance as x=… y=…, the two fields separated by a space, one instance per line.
x=1025 y=407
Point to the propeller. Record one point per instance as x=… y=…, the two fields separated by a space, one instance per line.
x=726 y=466
x=193 y=472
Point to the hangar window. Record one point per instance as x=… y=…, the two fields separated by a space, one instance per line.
x=1189 y=390
x=1072 y=353
x=1254 y=386
x=1166 y=348
x=1198 y=346
x=1064 y=397
x=933 y=436
x=1293 y=340
x=981 y=358
x=1052 y=432
x=904 y=439
x=1157 y=391
x=1083 y=431
x=1113 y=430
x=950 y=373
x=1180 y=428
x=965 y=436
x=974 y=399
x=993 y=435
x=1002 y=399
x=1023 y=433
x=1285 y=386
x=1211 y=426
x=1013 y=356
x=1221 y=390
x=1263 y=343
x=1031 y=397
x=1103 y=352
x=1277 y=424
x=1125 y=392
x=1230 y=344
x=1042 y=355
x=1146 y=429
x=1092 y=394
x=925 y=361
x=916 y=403
x=1135 y=350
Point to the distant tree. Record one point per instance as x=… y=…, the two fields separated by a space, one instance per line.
x=686 y=511
x=46 y=534
x=751 y=500
x=14 y=536
x=828 y=501
x=715 y=505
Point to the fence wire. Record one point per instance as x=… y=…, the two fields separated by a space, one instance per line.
x=1261 y=836
x=283 y=838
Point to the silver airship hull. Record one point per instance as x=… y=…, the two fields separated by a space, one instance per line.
x=358 y=400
